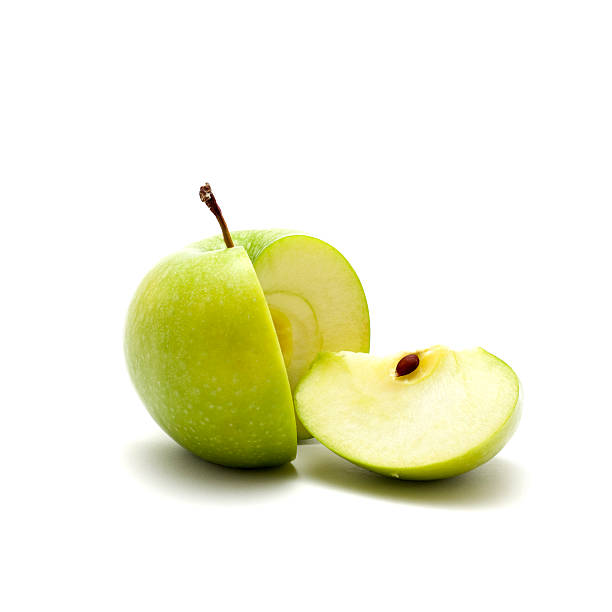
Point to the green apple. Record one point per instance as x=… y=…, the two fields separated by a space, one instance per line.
x=206 y=348
x=315 y=298
x=418 y=416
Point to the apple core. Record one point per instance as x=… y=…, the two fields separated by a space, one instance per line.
x=426 y=363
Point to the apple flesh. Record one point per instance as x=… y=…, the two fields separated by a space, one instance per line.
x=203 y=354
x=315 y=298
x=455 y=411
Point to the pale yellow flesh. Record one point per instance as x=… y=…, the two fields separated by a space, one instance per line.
x=298 y=332
x=316 y=301
x=455 y=411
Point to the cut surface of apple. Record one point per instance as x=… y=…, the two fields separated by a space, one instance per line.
x=315 y=298
x=451 y=414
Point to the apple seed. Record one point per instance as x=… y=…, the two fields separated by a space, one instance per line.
x=407 y=364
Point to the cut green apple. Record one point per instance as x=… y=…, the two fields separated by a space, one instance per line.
x=453 y=412
x=214 y=359
x=315 y=298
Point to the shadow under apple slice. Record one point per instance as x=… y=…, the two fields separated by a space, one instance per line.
x=496 y=483
x=174 y=470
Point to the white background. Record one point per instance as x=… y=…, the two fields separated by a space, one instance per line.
x=459 y=155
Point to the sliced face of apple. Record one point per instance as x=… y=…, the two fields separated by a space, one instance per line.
x=315 y=298
x=451 y=414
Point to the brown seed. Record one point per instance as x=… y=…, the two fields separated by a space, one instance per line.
x=407 y=364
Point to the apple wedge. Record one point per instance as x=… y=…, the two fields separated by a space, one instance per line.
x=315 y=298
x=417 y=416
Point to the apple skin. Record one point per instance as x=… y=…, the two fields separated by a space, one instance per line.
x=254 y=242
x=202 y=352
x=310 y=271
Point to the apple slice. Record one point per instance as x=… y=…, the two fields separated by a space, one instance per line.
x=450 y=412
x=315 y=298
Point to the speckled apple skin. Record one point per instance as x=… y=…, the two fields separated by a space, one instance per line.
x=203 y=354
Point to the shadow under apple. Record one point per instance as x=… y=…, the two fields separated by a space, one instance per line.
x=174 y=470
x=496 y=483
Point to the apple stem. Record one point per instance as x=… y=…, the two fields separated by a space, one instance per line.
x=206 y=195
